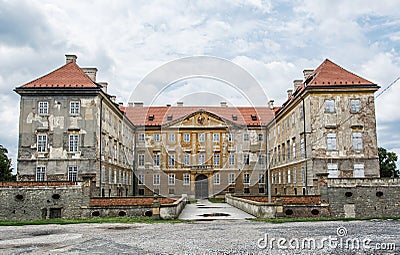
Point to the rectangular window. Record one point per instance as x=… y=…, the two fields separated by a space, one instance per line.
x=246 y=159
x=73 y=143
x=216 y=159
x=294 y=148
x=231 y=137
x=216 y=179
x=156 y=137
x=41 y=143
x=72 y=173
x=331 y=141
x=171 y=179
x=141 y=137
x=302 y=147
x=103 y=174
x=201 y=137
x=156 y=159
x=171 y=160
x=333 y=170
x=301 y=112
x=43 y=108
x=109 y=176
x=40 y=173
x=357 y=141
x=355 y=105
x=186 y=179
x=261 y=159
x=288 y=150
x=359 y=171
x=231 y=159
x=171 y=138
x=303 y=174
x=246 y=178
x=245 y=137
x=279 y=177
x=329 y=105
x=186 y=138
x=141 y=179
x=74 y=107
x=273 y=178
x=156 y=179
x=289 y=177
x=294 y=175
x=115 y=176
x=141 y=159
x=293 y=119
x=216 y=137
x=261 y=178
x=231 y=178
x=201 y=159
x=186 y=159
x=260 y=137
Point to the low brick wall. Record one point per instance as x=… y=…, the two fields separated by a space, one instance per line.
x=128 y=201
x=287 y=200
x=167 y=208
x=258 y=209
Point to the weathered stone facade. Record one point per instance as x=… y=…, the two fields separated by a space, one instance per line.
x=70 y=129
x=326 y=126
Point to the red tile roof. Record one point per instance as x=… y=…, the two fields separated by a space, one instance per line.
x=67 y=76
x=140 y=115
x=329 y=73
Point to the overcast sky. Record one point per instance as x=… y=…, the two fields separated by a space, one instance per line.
x=273 y=40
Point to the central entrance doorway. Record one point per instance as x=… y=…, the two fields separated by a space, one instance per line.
x=201 y=187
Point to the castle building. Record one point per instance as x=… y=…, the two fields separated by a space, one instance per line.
x=71 y=129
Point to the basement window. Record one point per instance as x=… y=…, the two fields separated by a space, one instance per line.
x=121 y=213
x=19 y=197
x=56 y=196
x=95 y=213
x=379 y=194
x=314 y=211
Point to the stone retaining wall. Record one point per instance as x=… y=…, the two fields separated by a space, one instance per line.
x=258 y=209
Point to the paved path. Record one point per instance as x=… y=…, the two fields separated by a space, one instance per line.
x=194 y=237
x=206 y=211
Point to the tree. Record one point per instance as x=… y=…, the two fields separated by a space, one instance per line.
x=387 y=163
x=5 y=166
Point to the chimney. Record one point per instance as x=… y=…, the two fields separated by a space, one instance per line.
x=104 y=86
x=297 y=84
x=180 y=104
x=289 y=93
x=307 y=73
x=130 y=104
x=91 y=72
x=70 y=58
x=224 y=104
x=113 y=98
x=271 y=104
x=138 y=104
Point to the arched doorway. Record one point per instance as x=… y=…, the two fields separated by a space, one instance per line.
x=201 y=186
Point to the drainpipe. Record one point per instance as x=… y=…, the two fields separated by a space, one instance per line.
x=101 y=125
x=134 y=164
x=305 y=145
x=268 y=172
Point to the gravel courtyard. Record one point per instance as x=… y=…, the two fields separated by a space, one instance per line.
x=203 y=237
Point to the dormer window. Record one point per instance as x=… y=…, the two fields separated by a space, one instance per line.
x=151 y=117
x=169 y=117
x=253 y=117
x=234 y=117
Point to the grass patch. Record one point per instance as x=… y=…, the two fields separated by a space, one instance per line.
x=286 y=220
x=216 y=200
x=125 y=220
